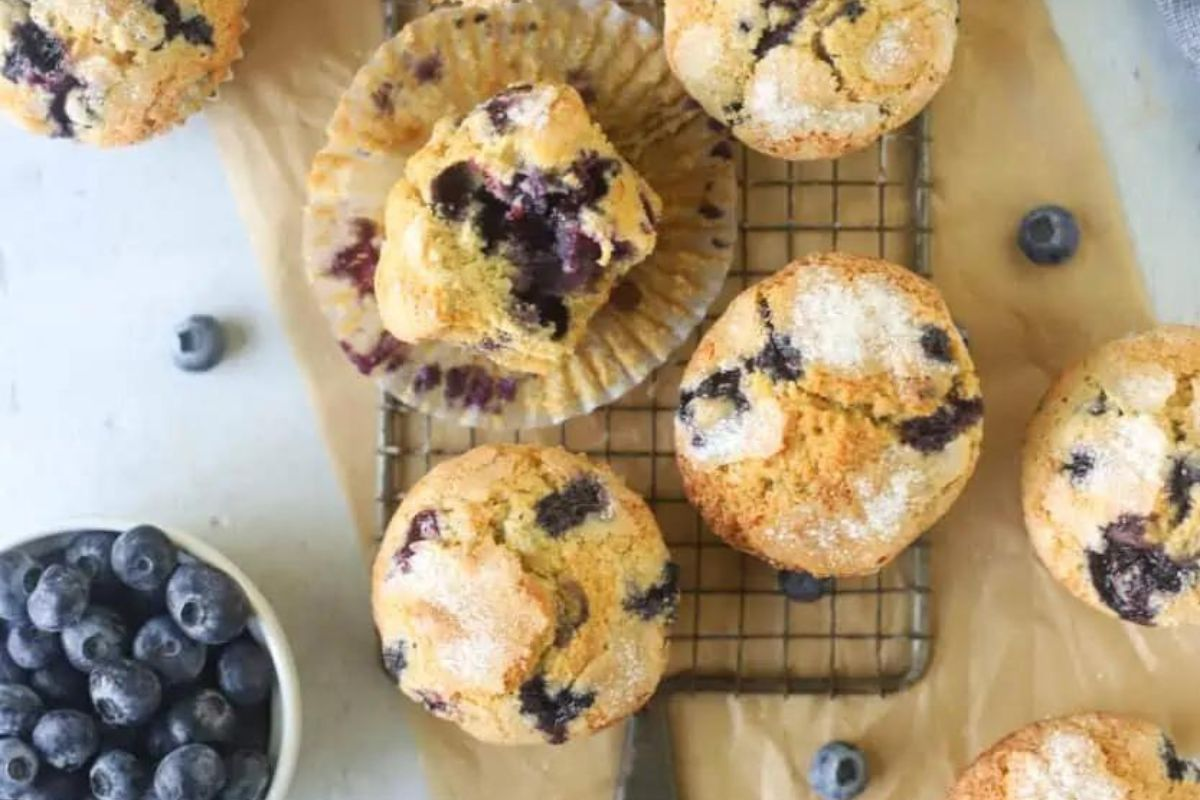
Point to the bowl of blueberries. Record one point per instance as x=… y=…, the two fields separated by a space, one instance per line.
x=138 y=663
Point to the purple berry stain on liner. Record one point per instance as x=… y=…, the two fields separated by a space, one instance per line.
x=626 y=296
x=428 y=69
x=723 y=150
x=428 y=377
x=356 y=262
x=389 y=353
x=474 y=387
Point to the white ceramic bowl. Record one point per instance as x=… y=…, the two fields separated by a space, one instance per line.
x=264 y=626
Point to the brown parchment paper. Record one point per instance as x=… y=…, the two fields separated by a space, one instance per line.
x=1010 y=130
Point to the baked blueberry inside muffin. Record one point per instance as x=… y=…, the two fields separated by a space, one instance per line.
x=511 y=228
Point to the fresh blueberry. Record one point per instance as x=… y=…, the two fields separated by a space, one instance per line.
x=31 y=648
x=1049 y=235
x=249 y=776
x=66 y=739
x=125 y=692
x=60 y=684
x=245 y=672
x=20 y=708
x=91 y=553
x=199 y=343
x=161 y=644
x=60 y=598
x=19 y=574
x=118 y=775
x=207 y=604
x=193 y=772
x=158 y=739
x=100 y=636
x=10 y=671
x=205 y=717
x=143 y=558
x=254 y=728
x=838 y=771
x=803 y=587
x=18 y=767
x=54 y=785
x=137 y=608
x=118 y=737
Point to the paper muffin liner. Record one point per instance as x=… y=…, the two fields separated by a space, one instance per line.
x=445 y=63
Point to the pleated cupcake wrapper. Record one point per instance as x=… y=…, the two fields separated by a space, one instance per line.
x=616 y=61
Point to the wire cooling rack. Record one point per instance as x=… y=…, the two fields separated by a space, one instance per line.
x=735 y=631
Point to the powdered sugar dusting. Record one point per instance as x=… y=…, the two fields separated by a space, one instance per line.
x=1069 y=766
x=477 y=611
x=860 y=324
x=698 y=49
x=532 y=109
x=883 y=501
x=769 y=102
x=630 y=678
x=719 y=434
x=890 y=58
x=1129 y=456
x=1148 y=390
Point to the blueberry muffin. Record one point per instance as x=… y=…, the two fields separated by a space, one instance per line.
x=113 y=72
x=1112 y=478
x=444 y=64
x=829 y=416
x=806 y=79
x=510 y=228
x=524 y=593
x=1083 y=757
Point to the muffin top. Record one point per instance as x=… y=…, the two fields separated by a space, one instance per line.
x=811 y=78
x=1112 y=477
x=113 y=72
x=510 y=228
x=829 y=416
x=524 y=593
x=1083 y=757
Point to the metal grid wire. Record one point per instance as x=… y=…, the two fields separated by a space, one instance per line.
x=735 y=631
